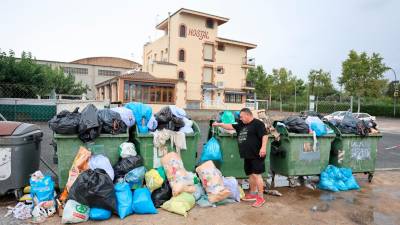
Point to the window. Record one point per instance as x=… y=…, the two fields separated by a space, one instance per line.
x=181 y=75
x=207 y=75
x=210 y=23
x=220 y=70
x=182 y=31
x=208 y=52
x=155 y=56
x=75 y=70
x=233 y=98
x=221 y=47
x=108 y=73
x=162 y=56
x=149 y=93
x=182 y=55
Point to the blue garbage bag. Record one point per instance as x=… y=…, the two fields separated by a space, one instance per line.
x=99 y=214
x=319 y=128
x=142 y=203
x=135 y=177
x=124 y=197
x=211 y=151
x=142 y=114
x=337 y=179
x=42 y=189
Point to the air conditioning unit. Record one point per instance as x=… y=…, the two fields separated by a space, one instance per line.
x=251 y=61
x=220 y=84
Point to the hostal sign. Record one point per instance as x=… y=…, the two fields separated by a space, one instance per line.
x=200 y=34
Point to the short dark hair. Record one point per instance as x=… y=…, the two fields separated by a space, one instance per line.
x=246 y=110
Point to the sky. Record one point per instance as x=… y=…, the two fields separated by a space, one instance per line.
x=298 y=35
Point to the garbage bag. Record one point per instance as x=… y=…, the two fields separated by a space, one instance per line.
x=199 y=191
x=164 y=115
x=80 y=164
x=337 y=179
x=153 y=180
x=99 y=214
x=203 y=202
x=126 y=115
x=228 y=118
x=124 y=165
x=66 y=122
x=111 y=122
x=316 y=124
x=95 y=189
x=161 y=195
x=232 y=185
x=180 y=204
x=101 y=162
x=126 y=150
x=178 y=112
x=124 y=197
x=42 y=188
x=161 y=171
x=152 y=124
x=211 y=151
x=187 y=129
x=75 y=212
x=212 y=181
x=142 y=203
x=89 y=124
x=135 y=177
x=179 y=179
x=295 y=124
x=142 y=114
x=176 y=123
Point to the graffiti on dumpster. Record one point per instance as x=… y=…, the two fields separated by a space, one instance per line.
x=360 y=150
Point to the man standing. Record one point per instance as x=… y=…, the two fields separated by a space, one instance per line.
x=252 y=141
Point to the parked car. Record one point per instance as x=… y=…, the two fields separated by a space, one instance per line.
x=364 y=116
x=336 y=115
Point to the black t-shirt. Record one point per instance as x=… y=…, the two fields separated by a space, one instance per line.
x=249 y=137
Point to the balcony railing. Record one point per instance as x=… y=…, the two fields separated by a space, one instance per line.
x=248 y=84
x=249 y=61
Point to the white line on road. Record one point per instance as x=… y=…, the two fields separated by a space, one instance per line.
x=396 y=146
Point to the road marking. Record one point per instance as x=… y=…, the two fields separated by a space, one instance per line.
x=396 y=146
x=386 y=169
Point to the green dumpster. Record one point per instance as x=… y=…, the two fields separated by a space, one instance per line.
x=295 y=155
x=68 y=146
x=355 y=152
x=144 y=147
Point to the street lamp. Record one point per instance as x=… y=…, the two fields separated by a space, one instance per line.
x=396 y=91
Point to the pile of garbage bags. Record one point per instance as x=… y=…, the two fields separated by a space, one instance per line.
x=337 y=179
x=89 y=123
x=351 y=125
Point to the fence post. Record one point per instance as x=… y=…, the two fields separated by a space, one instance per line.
x=316 y=105
x=15 y=110
x=351 y=103
x=358 y=107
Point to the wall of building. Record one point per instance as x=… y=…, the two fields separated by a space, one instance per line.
x=108 y=61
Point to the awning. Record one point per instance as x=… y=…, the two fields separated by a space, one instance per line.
x=235 y=92
x=208 y=86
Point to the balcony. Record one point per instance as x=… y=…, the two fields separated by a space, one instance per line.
x=248 y=85
x=248 y=62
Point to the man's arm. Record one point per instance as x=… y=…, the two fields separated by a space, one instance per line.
x=225 y=126
x=263 y=150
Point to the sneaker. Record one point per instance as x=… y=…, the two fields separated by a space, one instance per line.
x=250 y=197
x=259 y=202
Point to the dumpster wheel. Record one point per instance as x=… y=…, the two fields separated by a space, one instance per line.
x=370 y=177
x=18 y=193
x=292 y=181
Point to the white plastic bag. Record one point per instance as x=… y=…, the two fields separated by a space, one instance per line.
x=126 y=115
x=126 y=150
x=74 y=212
x=101 y=162
x=187 y=129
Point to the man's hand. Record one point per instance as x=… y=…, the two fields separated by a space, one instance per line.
x=216 y=124
x=263 y=152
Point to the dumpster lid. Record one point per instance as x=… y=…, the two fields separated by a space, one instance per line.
x=9 y=128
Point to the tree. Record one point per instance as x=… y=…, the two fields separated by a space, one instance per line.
x=283 y=83
x=320 y=83
x=262 y=81
x=362 y=75
x=24 y=78
x=391 y=88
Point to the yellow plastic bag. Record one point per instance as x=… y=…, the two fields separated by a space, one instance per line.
x=180 y=204
x=27 y=189
x=153 y=180
x=241 y=192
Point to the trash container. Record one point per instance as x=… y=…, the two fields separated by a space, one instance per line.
x=295 y=155
x=144 y=147
x=354 y=151
x=19 y=154
x=232 y=165
x=68 y=145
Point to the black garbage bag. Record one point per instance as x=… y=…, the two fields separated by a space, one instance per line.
x=95 y=189
x=111 y=122
x=89 y=124
x=164 y=115
x=66 y=122
x=295 y=124
x=161 y=195
x=348 y=125
x=124 y=165
x=176 y=123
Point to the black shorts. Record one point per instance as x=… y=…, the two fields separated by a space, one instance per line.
x=254 y=166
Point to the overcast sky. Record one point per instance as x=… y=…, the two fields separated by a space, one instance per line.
x=298 y=35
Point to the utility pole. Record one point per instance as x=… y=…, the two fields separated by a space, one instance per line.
x=396 y=92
